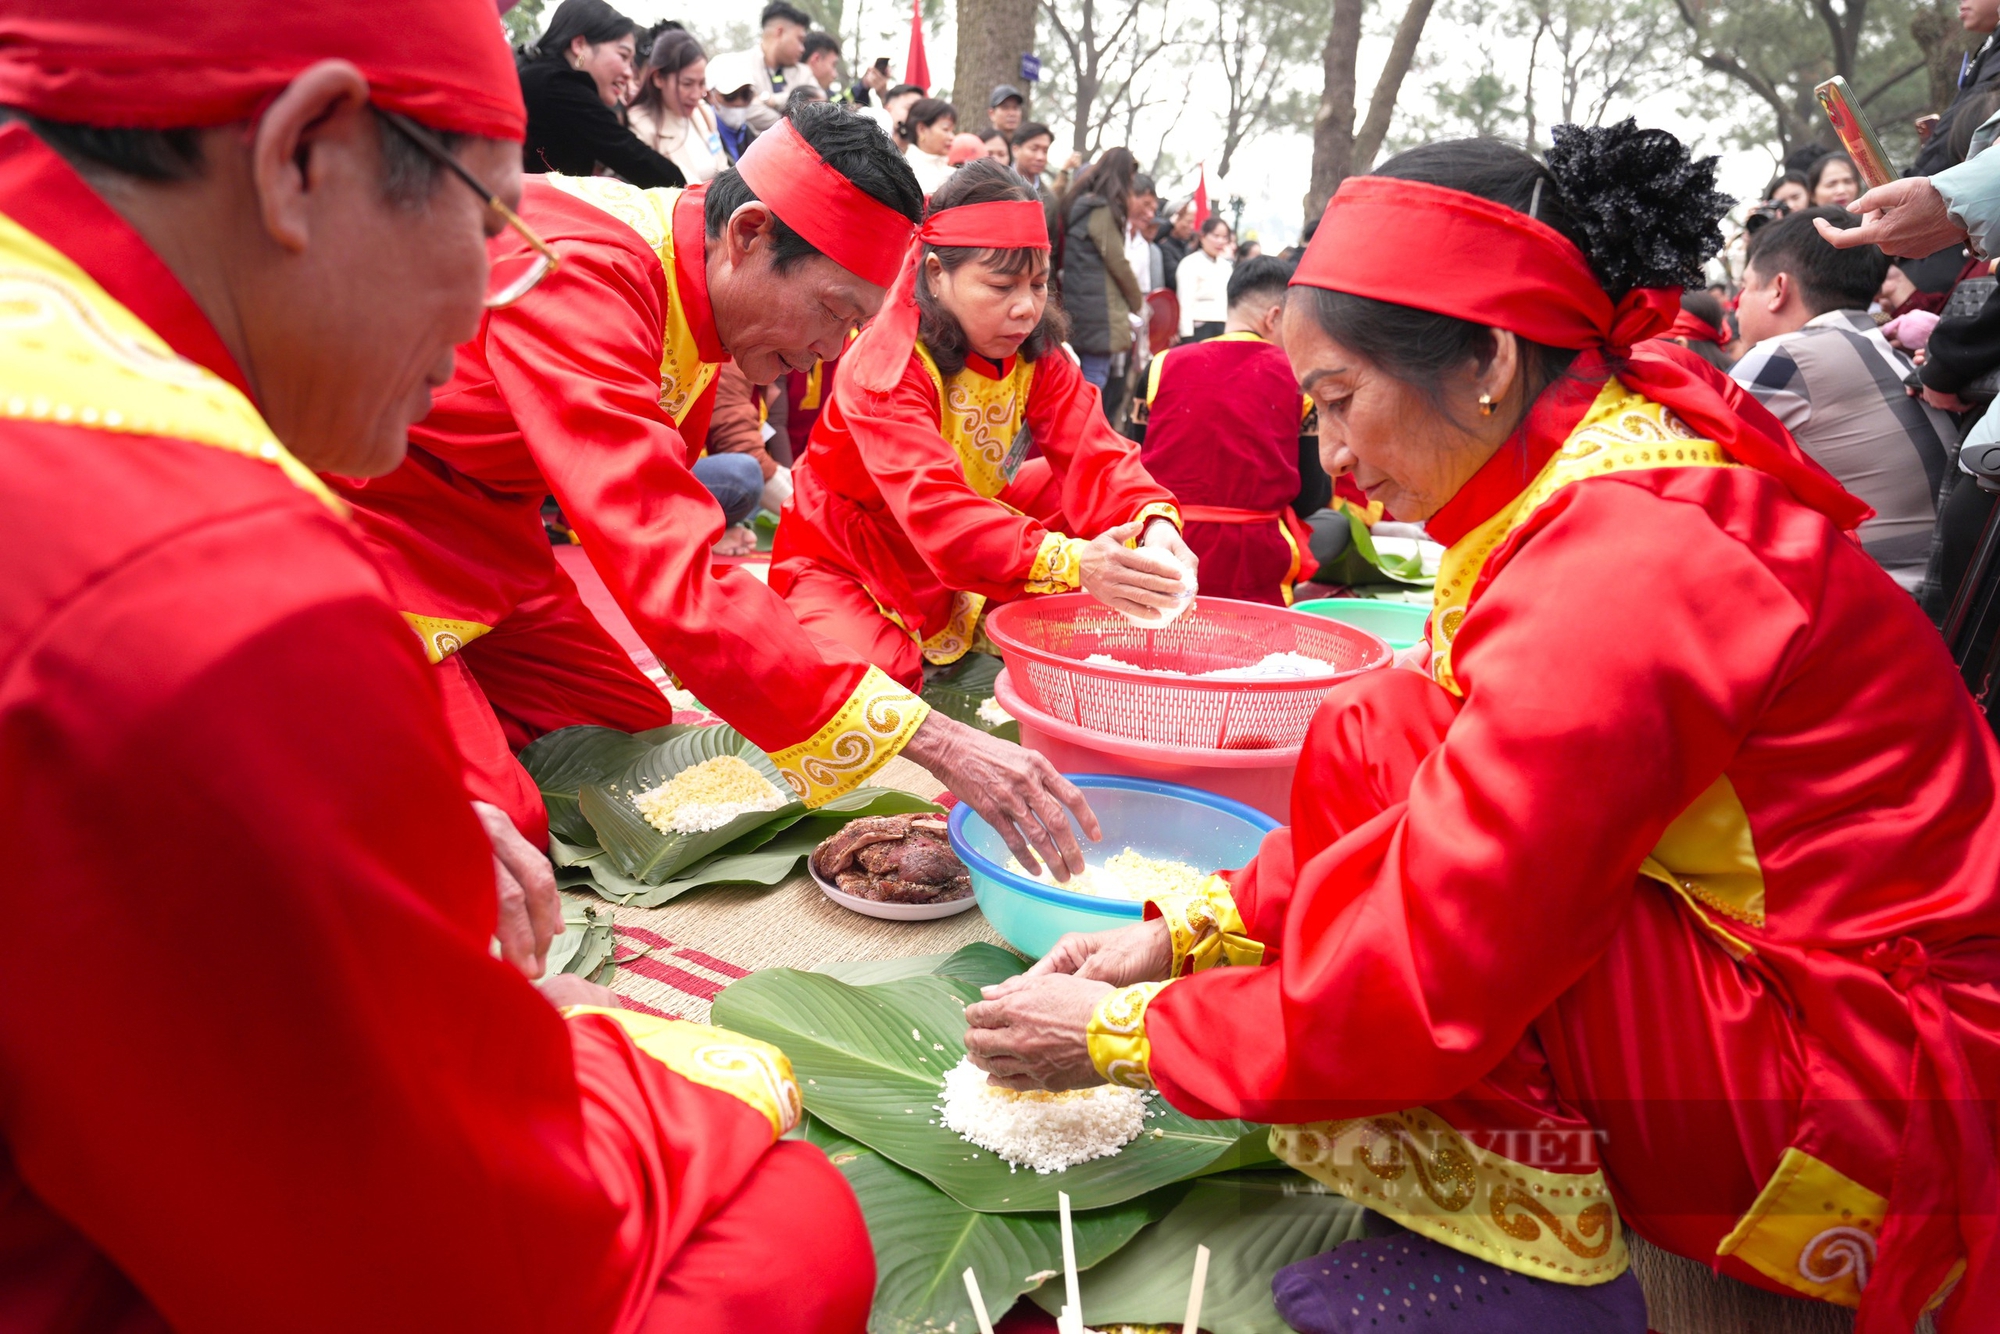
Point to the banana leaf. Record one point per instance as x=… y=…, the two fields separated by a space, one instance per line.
x=586 y=944
x=958 y=689
x=871 y=1063
x=925 y=1241
x=563 y=762
x=1253 y=1223
x=978 y=963
x=641 y=852
x=766 y=856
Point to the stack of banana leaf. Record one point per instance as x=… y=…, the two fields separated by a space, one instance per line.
x=870 y=1043
x=598 y=840
x=586 y=944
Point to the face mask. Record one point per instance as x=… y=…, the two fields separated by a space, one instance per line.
x=733 y=117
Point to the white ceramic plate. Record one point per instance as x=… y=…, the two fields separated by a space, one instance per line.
x=894 y=912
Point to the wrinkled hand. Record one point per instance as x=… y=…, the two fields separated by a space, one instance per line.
x=1161 y=535
x=567 y=989
x=530 y=908
x=1015 y=790
x=1034 y=1036
x=1906 y=218
x=1142 y=952
x=1138 y=581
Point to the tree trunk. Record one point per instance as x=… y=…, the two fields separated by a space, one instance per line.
x=993 y=35
x=1382 y=105
x=1942 y=39
x=1333 y=126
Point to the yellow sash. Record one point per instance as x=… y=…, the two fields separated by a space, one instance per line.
x=72 y=355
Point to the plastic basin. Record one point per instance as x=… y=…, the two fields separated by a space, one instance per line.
x=1398 y=624
x=1259 y=778
x=1154 y=819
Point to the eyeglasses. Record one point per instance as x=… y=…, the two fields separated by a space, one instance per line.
x=510 y=280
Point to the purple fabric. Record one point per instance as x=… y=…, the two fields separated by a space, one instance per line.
x=1405 y=1282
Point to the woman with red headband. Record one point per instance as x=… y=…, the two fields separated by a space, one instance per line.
x=917 y=503
x=1668 y=895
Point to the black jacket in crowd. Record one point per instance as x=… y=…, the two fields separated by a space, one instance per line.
x=571 y=131
x=1976 y=96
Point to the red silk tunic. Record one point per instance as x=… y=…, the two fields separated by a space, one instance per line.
x=260 y=1070
x=1663 y=684
x=919 y=494
x=597 y=388
x=1222 y=431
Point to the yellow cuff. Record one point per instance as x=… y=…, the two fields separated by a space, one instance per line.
x=1116 y=1036
x=748 y=1070
x=1207 y=929
x=877 y=721
x=1058 y=566
x=1159 y=509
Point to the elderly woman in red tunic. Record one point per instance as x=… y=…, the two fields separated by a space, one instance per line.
x=1668 y=897
x=918 y=503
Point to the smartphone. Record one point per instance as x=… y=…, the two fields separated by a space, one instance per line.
x=1857 y=136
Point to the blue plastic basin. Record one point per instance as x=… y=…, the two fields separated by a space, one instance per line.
x=1154 y=819
x=1398 y=624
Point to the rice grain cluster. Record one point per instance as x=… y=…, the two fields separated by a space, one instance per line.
x=1128 y=875
x=1270 y=667
x=1049 y=1132
x=707 y=796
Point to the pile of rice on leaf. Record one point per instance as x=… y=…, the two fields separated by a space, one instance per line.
x=707 y=796
x=1049 y=1132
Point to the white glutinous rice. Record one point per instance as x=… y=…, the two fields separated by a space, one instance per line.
x=1270 y=667
x=1049 y=1132
x=1162 y=617
x=707 y=796
x=992 y=714
x=1128 y=875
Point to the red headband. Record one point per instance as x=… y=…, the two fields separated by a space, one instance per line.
x=844 y=222
x=169 y=64
x=876 y=360
x=1487 y=263
x=1695 y=329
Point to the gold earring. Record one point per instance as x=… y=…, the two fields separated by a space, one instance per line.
x=1486 y=405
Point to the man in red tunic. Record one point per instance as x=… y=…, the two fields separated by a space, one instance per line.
x=1223 y=420
x=296 y=1092
x=597 y=387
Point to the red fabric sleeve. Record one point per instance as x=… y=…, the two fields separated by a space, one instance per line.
x=295 y=1090
x=1104 y=483
x=969 y=541
x=1417 y=947
x=580 y=370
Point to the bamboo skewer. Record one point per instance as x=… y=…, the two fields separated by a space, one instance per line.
x=1192 y=1325
x=978 y=1302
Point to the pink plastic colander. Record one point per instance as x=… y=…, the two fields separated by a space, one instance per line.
x=1045 y=640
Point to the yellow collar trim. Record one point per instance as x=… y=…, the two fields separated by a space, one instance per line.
x=1622 y=432
x=981 y=417
x=72 y=355
x=683 y=374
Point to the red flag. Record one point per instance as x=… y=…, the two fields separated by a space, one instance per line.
x=1201 y=194
x=917 y=69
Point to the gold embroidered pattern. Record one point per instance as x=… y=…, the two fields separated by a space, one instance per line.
x=748 y=1070
x=1159 y=509
x=1116 y=1036
x=1415 y=1168
x=1207 y=930
x=441 y=637
x=1058 y=566
x=71 y=355
x=1622 y=432
x=650 y=213
x=980 y=417
x=955 y=640
x=877 y=721
x=1812 y=1228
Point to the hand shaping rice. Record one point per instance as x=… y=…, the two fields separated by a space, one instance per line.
x=1049 y=1132
x=707 y=796
x=1128 y=875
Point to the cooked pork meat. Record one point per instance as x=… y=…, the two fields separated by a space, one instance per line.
x=894 y=859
